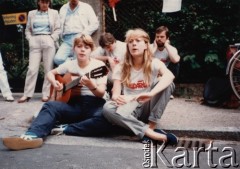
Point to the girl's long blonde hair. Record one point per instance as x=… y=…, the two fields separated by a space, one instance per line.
x=128 y=60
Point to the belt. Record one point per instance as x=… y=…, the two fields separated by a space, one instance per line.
x=72 y=34
x=40 y=34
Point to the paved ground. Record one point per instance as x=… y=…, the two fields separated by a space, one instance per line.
x=112 y=154
x=186 y=118
x=191 y=118
x=182 y=116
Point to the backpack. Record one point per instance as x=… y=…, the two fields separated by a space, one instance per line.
x=217 y=92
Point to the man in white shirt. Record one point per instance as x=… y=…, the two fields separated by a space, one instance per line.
x=163 y=50
x=77 y=18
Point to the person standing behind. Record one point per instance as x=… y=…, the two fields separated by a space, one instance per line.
x=110 y=50
x=42 y=32
x=76 y=18
x=163 y=50
x=4 y=85
x=139 y=97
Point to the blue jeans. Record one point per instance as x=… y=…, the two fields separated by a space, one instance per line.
x=84 y=117
x=65 y=51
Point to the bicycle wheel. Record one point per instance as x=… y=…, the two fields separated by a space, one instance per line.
x=234 y=74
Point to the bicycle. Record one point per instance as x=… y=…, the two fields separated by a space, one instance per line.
x=233 y=69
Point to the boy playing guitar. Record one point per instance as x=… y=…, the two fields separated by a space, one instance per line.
x=83 y=116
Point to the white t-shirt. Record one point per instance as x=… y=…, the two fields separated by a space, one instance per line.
x=118 y=53
x=72 y=67
x=162 y=55
x=137 y=83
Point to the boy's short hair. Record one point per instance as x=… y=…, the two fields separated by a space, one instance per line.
x=85 y=39
x=106 y=39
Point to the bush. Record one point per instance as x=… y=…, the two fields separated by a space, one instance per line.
x=201 y=31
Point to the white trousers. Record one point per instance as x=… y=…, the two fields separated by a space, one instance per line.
x=41 y=48
x=4 y=85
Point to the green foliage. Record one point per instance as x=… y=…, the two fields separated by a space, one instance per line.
x=201 y=31
x=59 y=2
x=213 y=58
x=16 y=60
x=211 y=28
x=10 y=6
x=15 y=65
x=192 y=60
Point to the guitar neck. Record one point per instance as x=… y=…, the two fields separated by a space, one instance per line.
x=72 y=84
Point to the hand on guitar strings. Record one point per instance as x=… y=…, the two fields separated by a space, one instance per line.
x=87 y=82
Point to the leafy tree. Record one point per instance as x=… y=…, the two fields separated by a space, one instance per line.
x=201 y=31
x=16 y=60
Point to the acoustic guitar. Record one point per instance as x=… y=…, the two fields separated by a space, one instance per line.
x=71 y=87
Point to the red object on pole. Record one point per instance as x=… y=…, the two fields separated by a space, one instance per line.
x=112 y=4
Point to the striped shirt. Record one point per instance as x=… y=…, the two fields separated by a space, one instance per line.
x=41 y=23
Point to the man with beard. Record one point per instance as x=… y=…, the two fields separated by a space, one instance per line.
x=163 y=50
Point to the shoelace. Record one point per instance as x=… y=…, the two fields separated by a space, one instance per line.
x=61 y=126
x=27 y=137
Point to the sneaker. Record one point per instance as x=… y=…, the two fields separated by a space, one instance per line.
x=171 y=139
x=9 y=99
x=146 y=139
x=171 y=97
x=58 y=130
x=25 y=141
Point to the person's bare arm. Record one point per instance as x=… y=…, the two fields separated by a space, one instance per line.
x=51 y=77
x=116 y=90
x=166 y=79
x=172 y=52
x=97 y=90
